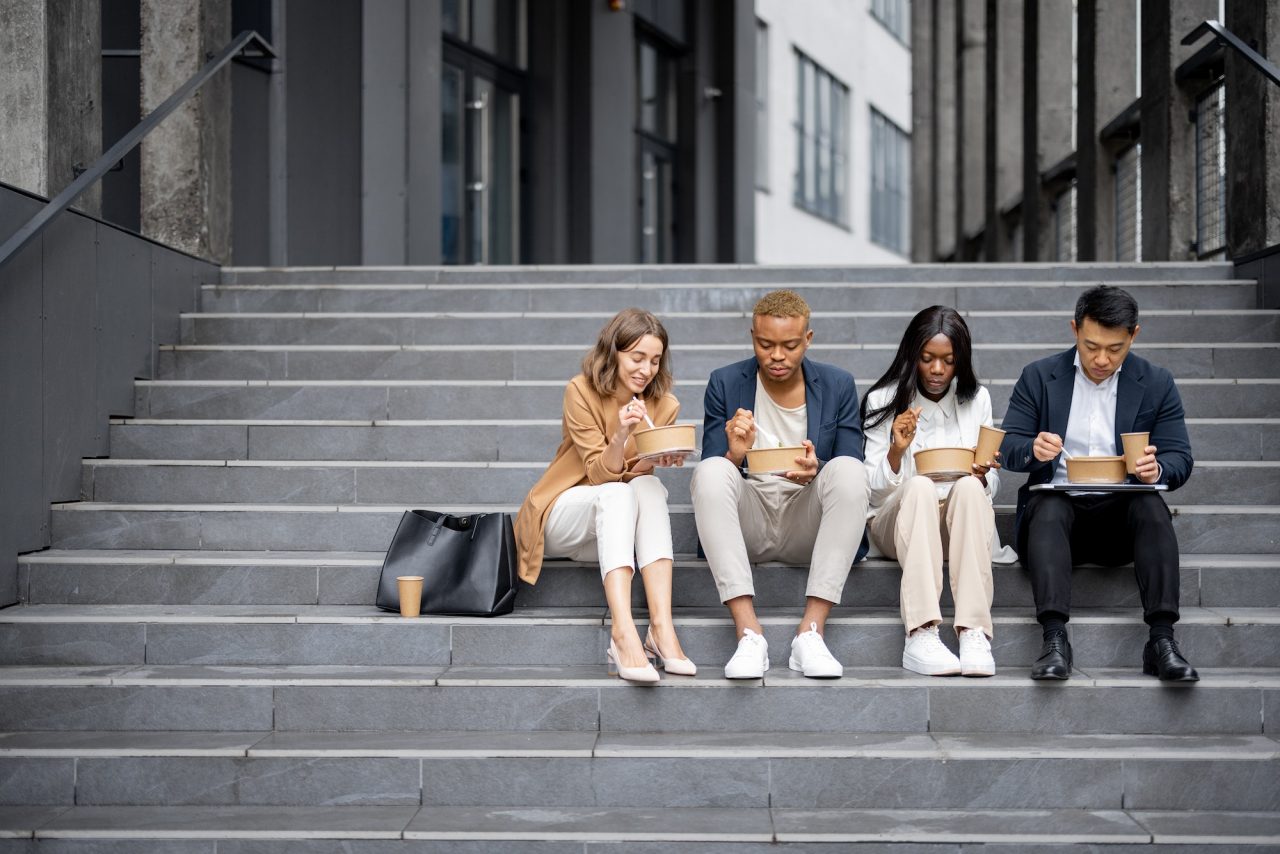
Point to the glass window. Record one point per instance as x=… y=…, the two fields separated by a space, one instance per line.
x=494 y=27
x=895 y=15
x=762 y=106
x=655 y=92
x=1064 y=226
x=890 y=185
x=822 y=142
x=1129 y=204
x=1211 y=173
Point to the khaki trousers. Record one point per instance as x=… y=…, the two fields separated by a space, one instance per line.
x=914 y=528
x=741 y=521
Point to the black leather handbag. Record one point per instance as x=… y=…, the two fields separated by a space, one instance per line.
x=467 y=563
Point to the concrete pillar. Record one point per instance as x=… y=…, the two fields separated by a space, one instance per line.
x=947 y=99
x=924 y=117
x=1004 y=93
x=186 y=161
x=1168 y=138
x=1030 y=215
x=1055 y=122
x=50 y=95
x=735 y=110
x=970 y=124
x=1253 y=145
x=1108 y=84
x=384 y=132
x=610 y=156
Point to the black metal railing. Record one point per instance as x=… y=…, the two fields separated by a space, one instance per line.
x=1222 y=34
x=103 y=164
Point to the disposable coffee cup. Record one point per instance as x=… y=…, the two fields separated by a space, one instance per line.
x=1134 y=445
x=989 y=439
x=410 y=594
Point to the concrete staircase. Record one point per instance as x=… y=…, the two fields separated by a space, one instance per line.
x=197 y=667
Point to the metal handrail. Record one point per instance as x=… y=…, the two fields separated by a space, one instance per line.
x=103 y=164
x=1232 y=40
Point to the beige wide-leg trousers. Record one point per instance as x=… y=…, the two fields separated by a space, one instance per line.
x=741 y=521
x=913 y=527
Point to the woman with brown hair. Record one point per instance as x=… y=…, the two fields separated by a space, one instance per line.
x=597 y=501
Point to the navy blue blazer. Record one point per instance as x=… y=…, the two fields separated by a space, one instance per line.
x=830 y=397
x=1146 y=400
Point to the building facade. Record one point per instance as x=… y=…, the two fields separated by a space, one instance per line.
x=1084 y=130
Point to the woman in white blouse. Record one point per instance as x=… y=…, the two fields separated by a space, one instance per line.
x=930 y=398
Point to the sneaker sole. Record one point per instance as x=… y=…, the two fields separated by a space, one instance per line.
x=976 y=672
x=752 y=676
x=791 y=663
x=924 y=671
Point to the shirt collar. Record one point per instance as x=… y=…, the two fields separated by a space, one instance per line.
x=1105 y=384
x=945 y=408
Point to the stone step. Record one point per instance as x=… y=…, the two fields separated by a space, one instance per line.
x=690 y=769
x=829 y=296
x=362 y=635
x=1098 y=701
x=636 y=275
x=467 y=400
x=732 y=327
x=489 y=440
x=693 y=362
x=1201 y=529
x=404 y=482
x=595 y=830
x=110 y=577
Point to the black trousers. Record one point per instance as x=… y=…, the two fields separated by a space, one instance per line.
x=1059 y=530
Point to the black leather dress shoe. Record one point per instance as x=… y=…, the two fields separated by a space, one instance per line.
x=1055 y=658
x=1161 y=657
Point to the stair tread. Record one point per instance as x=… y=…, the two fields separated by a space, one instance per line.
x=441 y=744
x=583 y=675
x=562 y=616
x=639 y=824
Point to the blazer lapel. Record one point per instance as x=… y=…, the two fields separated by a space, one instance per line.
x=746 y=388
x=1128 y=399
x=1060 y=389
x=812 y=399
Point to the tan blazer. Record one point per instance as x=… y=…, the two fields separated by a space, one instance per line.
x=589 y=421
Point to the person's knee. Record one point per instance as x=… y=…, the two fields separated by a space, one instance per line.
x=847 y=475
x=649 y=491
x=713 y=474
x=616 y=498
x=1148 y=507
x=920 y=486
x=1050 y=510
x=968 y=487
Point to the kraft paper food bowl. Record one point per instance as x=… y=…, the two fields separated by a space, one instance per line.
x=774 y=460
x=944 y=461
x=673 y=437
x=1095 y=470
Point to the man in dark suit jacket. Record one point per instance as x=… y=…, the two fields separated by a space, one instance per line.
x=812 y=512
x=1078 y=403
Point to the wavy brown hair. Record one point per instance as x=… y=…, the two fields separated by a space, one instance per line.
x=600 y=366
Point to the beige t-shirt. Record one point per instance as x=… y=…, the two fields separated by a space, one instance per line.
x=788 y=426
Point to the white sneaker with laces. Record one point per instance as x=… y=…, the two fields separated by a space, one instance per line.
x=751 y=659
x=975 y=654
x=810 y=656
x=926 y=654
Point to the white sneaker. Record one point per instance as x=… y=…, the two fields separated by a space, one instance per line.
x=926 y=654
x=751 y=659
x=810 y=656
x=975 y=654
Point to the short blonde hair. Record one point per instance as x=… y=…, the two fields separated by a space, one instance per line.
x=782 y=303
x=620 y=334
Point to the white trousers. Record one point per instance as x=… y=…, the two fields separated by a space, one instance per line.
x=618 y=524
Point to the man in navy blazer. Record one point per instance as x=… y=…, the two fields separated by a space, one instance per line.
x=813 y=511
x=1078 y=403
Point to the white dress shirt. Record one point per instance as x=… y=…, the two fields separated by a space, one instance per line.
x=1091 y=427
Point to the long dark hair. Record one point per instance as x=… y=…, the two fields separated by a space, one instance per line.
x=903 y=374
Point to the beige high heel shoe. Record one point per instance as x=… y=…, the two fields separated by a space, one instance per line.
x=644 y=674
x=678 y=666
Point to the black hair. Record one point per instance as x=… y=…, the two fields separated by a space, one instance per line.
x=1108 y=306
x=903 y=374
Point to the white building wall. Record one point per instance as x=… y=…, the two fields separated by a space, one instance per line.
x=844 y=38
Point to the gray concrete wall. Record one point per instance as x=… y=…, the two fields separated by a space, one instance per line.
x=1006 y=102
x=945 y=198
x=924 y=123
x=735 y=109
x=1055 y=122
x=1253 y=116
x=971 y=154
x=423 y=157
x=551 y=165
x=50 y=95
x=186 y=161
x=611 y=137
x=384 y=132
x=82 y=310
